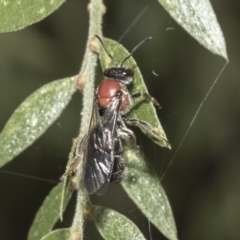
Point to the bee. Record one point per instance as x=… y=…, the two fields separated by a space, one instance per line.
x=101 y=147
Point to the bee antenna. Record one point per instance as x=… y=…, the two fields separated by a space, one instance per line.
x=135 y=48
x=106 y=50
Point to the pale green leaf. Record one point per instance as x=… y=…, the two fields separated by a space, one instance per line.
x=199 y=20
x=144 y=188
x=32 y=118
x=113 y=225
x=48 y=214
x=141 y=109
x=59 y=234
x=17 y=14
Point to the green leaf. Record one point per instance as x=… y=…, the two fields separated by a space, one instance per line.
x=32 y=118
x=113 y=225
x=59 y=234
x=15 y=15
x=144 y=188
x=48 y=214
x=141 y=110
x=199 y=20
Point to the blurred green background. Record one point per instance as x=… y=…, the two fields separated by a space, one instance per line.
x=203 y=181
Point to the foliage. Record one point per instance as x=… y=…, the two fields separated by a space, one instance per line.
x=36 y=114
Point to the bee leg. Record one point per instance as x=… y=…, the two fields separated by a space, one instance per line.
x=118 y=169
x=145 y=125
x=147 y=97
x=128 y=135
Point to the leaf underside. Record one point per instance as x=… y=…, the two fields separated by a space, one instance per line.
x=48 y=214
x=199 y=20
x=18 y=14
x=113 y=225
x=32 y=118
x=143 y=187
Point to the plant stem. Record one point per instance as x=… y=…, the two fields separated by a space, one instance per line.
x=87 y=74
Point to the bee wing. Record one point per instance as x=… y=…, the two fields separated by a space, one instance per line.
x=99 y=154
